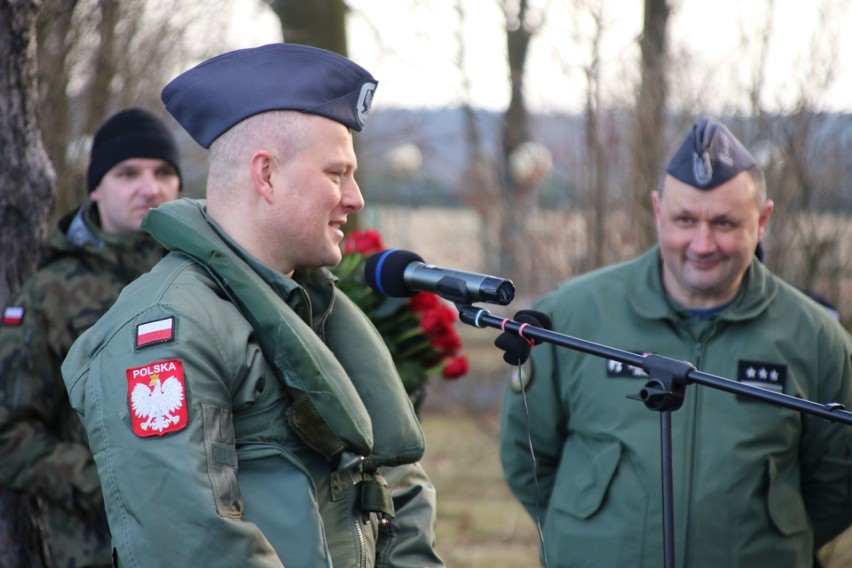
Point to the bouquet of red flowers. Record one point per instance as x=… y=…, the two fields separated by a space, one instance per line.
x=419 y=331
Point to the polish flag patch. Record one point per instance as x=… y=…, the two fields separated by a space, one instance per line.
x=153 y=332
x=157 y=397
x=13 y=315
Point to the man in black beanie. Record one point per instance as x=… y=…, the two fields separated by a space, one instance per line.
x=88 y=258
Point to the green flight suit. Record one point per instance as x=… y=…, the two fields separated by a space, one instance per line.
x=42 y=443
x=755 y=485
x=239 y=479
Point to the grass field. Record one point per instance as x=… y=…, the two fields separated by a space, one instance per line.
x=480 y=524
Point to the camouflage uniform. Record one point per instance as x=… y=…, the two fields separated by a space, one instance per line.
x=42 y=442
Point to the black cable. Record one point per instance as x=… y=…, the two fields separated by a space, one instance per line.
x=534 y=470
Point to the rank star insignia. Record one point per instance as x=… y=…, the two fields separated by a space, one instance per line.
x=762 y=374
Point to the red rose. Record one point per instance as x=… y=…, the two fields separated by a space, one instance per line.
x=424 y=301
x=363 y=242
x=447 y=341
x=456 y=367
x=436 y=321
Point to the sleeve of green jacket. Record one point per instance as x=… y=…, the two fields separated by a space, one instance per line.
x=532 y=478
x=172 y=499
x=409 y=540
x=826 y=447
x=33 y=406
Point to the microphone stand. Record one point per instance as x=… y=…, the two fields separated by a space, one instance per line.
x=664 y=392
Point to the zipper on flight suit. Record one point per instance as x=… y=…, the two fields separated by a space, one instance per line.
x=698 y=353
x=362 y=541
x=351 y=466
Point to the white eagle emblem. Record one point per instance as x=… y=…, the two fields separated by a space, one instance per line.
x=156 y=402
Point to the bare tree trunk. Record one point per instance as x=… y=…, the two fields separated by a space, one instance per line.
x=55 y=38
x=598 y=185
x=26 y=179
x=26 y=185
x=480 y=184
x=319 y=23
x=516 y=131
x=649 y=135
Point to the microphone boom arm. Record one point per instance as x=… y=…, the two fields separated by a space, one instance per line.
x=672 y=373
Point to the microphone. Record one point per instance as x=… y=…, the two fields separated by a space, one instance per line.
x=401 y=273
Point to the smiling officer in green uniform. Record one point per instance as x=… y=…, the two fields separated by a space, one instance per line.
x=755 y=485
x=241 y=411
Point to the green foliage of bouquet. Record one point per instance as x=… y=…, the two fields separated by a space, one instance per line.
x=419 y=331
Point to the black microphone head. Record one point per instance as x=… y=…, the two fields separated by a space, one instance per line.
x=385 y=272
x=533 y=317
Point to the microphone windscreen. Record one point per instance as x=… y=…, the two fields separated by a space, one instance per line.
x=516 y=348
x=385 y=271
x=536 y=318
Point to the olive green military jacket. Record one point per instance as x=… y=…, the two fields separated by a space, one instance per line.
x=755 y=485
x=196 y=422
x=42 y=443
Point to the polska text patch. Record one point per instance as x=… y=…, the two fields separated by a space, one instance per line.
x=157 y=398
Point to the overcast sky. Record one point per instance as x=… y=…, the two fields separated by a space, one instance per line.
x=411 y=46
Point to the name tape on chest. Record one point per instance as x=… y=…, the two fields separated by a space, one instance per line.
x=155 y=332
x=13 y=315
x=619 y=369
x=157 y=398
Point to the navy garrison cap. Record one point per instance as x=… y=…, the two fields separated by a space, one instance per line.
x=215 y=95
x=709 y=156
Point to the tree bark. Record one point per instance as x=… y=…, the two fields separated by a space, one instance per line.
x=516 y=131
x=318 y=23
x=26 y=179
x=55 y=40
x=650 y=133
x=26 y=194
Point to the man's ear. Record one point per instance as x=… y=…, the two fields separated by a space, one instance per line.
x=262 y=164
x=763 y=220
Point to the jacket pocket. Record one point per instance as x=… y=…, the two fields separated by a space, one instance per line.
x=222 y=460
x=583 y=491
x=598 y=512
x=786 y=508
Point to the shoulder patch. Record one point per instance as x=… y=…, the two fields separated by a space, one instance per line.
x=521 y=380
x=154 y=332
x=13 y=315
x=157 y=398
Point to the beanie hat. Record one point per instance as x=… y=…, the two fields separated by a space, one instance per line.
x=131 y=133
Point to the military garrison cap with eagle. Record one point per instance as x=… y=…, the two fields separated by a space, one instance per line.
x=709 y=156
